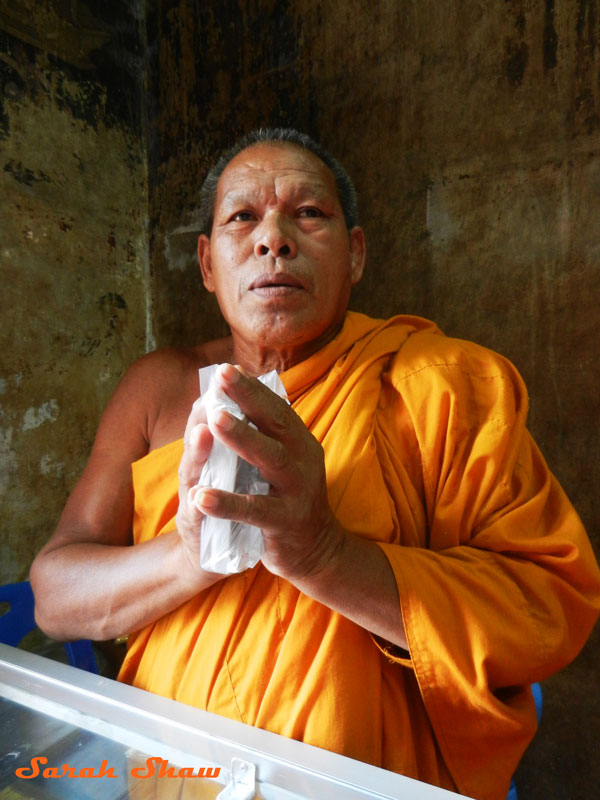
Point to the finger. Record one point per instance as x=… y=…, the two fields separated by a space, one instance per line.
x=263 y=511
x=269 y=412
x=197 y=416
x=271 y=457
x=195 y=453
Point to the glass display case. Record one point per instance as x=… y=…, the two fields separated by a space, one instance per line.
x=68 y=734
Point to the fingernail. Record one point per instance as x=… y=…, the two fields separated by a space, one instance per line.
x=224 y=421
x=205 y=501
x=230 y=372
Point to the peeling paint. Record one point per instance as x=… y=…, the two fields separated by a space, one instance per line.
x=49 y=466
x=34 y=417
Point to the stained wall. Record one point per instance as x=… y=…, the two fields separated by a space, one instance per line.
x=73 y=247
x=472 y=131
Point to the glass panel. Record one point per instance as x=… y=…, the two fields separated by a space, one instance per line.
x=26 y=735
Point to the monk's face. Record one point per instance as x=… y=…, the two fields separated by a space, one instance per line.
x=280 y=258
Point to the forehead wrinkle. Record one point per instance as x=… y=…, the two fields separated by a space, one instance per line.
x=256 y=166
x=283 y=159
x=263 y=174
x=271 y=189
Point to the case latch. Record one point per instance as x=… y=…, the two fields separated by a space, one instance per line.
x=242 y=785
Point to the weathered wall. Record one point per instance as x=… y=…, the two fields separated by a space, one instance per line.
x=73 y=247
x=472 y=132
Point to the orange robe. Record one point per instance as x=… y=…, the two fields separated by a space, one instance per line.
x=427 y=454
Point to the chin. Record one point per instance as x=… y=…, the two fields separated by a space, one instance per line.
x=277 y=328
x=284 y=333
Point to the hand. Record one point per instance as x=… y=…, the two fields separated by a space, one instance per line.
x=300 y=533
x=197 y=443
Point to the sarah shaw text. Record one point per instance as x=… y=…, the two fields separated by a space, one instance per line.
x=154 y=767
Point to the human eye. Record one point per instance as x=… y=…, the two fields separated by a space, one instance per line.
x=242 y=216
x=310 y=212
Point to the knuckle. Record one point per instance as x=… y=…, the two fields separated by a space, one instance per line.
x=281 y=419
x=259 y=510
x=197 y=414
x=254 y=393
x=280 y=457
x=239 y=506
x=187 y=478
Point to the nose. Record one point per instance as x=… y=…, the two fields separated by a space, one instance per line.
x=275 y=237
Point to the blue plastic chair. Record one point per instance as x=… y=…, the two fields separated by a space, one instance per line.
x=536 y=691
x=19 y=620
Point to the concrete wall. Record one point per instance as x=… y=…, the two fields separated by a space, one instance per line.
x=471 y=129
x=73 y=248
x=472 y=132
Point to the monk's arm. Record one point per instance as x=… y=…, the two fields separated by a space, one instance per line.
x=304 y=543
x=97 y=591
x=88 y=581
x=357 y=580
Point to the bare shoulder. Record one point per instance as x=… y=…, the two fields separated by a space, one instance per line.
x=175 y=363
x=158 y=390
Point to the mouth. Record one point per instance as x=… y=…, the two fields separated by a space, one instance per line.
x=275 y=283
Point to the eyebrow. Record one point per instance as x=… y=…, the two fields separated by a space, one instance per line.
x=236 y=196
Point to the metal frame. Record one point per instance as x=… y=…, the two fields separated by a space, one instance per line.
x=187 y=736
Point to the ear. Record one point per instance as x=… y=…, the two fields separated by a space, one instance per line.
x=205 y=262
x=358 y=253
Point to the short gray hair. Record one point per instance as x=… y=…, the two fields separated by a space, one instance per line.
x=344 y=185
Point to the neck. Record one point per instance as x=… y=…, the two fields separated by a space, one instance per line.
x=257 y=359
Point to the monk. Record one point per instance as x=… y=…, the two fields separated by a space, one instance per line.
x=421 y=565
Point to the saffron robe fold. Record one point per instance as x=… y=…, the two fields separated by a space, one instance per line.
x=428 y=455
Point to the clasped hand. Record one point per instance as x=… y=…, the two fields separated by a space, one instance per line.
x=300 y=533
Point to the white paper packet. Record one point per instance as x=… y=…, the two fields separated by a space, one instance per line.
x=227 y=546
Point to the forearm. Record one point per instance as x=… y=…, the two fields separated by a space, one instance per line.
x=358 y=582
x=101 y=591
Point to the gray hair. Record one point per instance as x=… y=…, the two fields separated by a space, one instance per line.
x=344 y=185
